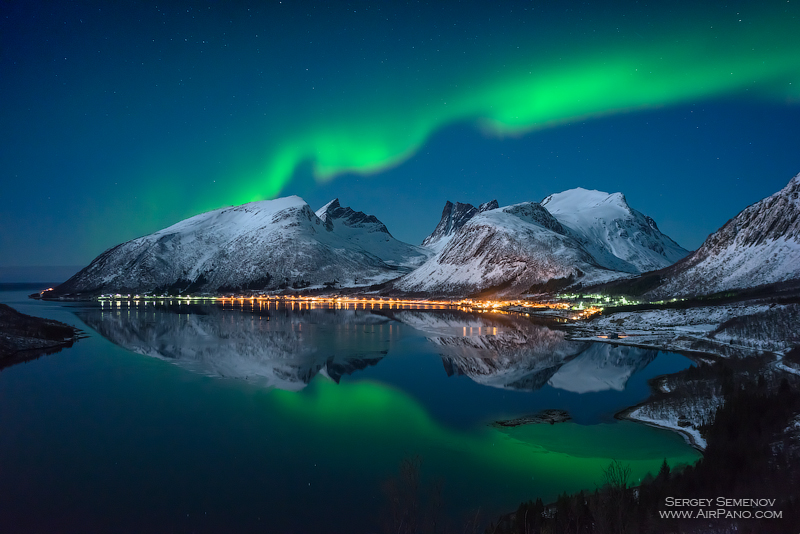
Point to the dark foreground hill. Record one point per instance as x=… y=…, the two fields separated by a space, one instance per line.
x=23 y=337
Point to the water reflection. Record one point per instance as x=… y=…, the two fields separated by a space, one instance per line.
x=510 y=352
x=285 y=348
x=197 y=454
x=602 y=367
x=282 y=348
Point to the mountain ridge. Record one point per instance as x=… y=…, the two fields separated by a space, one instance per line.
x=576 y=238
x=511 y=248
x=266 y=244
x=589 y=237
x=759 y=246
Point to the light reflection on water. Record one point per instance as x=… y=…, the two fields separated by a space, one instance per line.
x=313 y=408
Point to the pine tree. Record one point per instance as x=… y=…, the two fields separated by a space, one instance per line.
x=663 y=473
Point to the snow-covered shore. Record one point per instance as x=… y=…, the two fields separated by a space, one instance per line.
x=726 y=330
x=708 y=332
x=692 y=435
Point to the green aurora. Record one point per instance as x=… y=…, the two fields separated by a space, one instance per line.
x=125 y=119
x=368 y=134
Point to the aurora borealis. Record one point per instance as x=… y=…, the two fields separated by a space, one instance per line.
x=121 y=119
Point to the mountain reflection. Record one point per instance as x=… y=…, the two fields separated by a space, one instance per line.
x=508 y=351
x=280 y=348
x=286 y=349
x=602 y=367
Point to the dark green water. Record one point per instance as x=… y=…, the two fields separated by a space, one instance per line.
x=203 y=418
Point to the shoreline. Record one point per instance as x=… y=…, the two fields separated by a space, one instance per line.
x=692 y=437
x=627 y=415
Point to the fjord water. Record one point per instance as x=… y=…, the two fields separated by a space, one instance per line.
x=274 y=419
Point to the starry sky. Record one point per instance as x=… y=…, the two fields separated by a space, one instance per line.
x=121 y=118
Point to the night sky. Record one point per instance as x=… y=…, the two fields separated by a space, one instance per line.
x=120 y=118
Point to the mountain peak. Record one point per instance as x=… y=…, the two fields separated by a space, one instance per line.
x=618 y=236
x=486 y=206
x=793 y=187
x=322 y=213
x=580 y=199
x=453 y=217
x=334 y=212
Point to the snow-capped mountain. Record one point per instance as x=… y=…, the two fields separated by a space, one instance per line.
x=371 y=235
x=617 y=236
x=761 y=245
x=454 y=216
x=578 y=236
x=510 y=249
x=260 y=245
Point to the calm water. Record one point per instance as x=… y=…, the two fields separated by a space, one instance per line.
x=210 y=418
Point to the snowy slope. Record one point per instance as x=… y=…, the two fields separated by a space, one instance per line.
x=617 y=236
x=370 y=234
x=761 y=245
x=514 y=247
x=257 y=245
